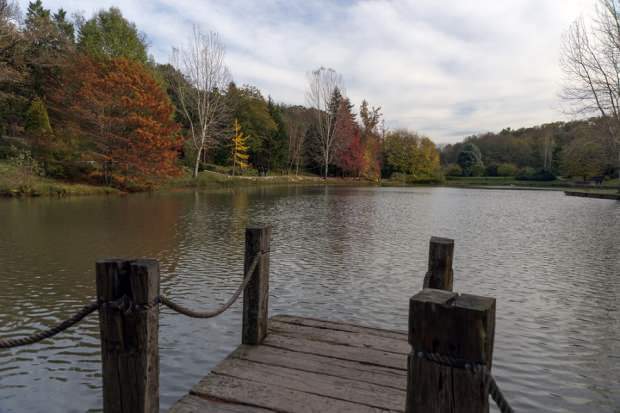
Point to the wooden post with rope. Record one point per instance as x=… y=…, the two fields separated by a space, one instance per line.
x=129 y=324
x=256 y=293
x=459 y=327
x=440 y=256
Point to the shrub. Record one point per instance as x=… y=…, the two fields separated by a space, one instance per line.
x=37 y=120
x=529 y=174
x=491 y=170
x=477 y=170
x=453 y=169
x=506 y=169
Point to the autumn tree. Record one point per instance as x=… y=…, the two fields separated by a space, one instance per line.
x=125 y=117
x=349 y=154
x=583 y=158
x=590 y=59
x=239 y=149
x=200 y=90
x=409 y=153
x=13 y=73
x=323 y=88
x=370 y=117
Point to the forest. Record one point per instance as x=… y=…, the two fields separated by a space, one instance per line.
x=82 y=100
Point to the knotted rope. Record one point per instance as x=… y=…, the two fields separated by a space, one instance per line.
x=125 y=304
x=474 y=367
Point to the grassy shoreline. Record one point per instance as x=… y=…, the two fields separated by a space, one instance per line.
x=12 y=184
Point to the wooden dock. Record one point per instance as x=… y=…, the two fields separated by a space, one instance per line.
x=599 y=195
x=308 y=365
x=296 y=364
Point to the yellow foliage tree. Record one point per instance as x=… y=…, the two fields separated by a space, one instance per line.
x=240 y=155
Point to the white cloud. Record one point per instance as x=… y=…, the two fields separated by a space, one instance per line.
x=446 y=69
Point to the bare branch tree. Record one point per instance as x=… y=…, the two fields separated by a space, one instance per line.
x=321 y=86
x=297 y=122
x=590 y=60
x=201 y=89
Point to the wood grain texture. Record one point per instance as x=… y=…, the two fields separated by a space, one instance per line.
x=256 y=293
x=342 y=352
x=354 y=370
x=277 y=398
x=350 y=390
x=129 y=336
x=340 y=326
x=440 y=274
x=359 y=339
x=308 y=365
x=461 y=326
x=195 y=404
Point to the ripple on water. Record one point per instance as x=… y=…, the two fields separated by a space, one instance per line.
x=353 y=254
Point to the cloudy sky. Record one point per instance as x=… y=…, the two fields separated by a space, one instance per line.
x=445 y=68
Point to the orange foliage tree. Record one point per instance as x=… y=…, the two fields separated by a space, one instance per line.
x=125 y=118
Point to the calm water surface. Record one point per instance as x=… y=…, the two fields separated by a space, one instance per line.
x=356 y=254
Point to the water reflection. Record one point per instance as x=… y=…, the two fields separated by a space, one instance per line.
x=343 y=253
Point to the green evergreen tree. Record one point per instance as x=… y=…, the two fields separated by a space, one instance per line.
x=469 y=159
x=109 y=35
x=37 y=119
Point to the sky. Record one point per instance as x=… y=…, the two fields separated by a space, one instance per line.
x=447 y=69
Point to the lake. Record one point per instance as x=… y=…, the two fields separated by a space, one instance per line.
x=352 y=254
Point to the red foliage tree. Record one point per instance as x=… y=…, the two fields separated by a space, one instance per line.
x=125 y=118
x=350 y=149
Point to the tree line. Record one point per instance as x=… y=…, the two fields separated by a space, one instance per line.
x=580 y=149
x=85 y=100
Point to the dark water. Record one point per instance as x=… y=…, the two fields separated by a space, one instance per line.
x=552 y=262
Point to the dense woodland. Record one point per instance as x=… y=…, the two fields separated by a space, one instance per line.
x=82 y=100
x=580 y=149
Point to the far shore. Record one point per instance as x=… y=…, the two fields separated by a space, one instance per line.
x=45 y=187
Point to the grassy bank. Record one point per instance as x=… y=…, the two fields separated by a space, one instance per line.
x=511 y=182
x=214 y=179
x=15 y=182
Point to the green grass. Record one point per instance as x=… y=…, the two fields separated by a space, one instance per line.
x=15 y=183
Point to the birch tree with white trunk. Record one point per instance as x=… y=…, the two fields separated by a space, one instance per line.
x=200 y=91
x=321 y=86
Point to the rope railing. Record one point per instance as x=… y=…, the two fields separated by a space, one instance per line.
x=474 y=367
x=50 y=332
x=213 y=313
x=124 y=304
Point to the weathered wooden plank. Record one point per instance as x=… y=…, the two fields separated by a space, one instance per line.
x=281 y=399
x=338 y=351
x=353 y=370
x=360 y=339
x=330 y=386
x=340 y=326
x=196 y=404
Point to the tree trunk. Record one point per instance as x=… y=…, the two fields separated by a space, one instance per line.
x=197 y=164
x=326 y=160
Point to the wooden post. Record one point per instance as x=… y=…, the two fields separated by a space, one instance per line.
x=256 y=293
x=129 y=324
x=461 y=326
x=440 y=257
